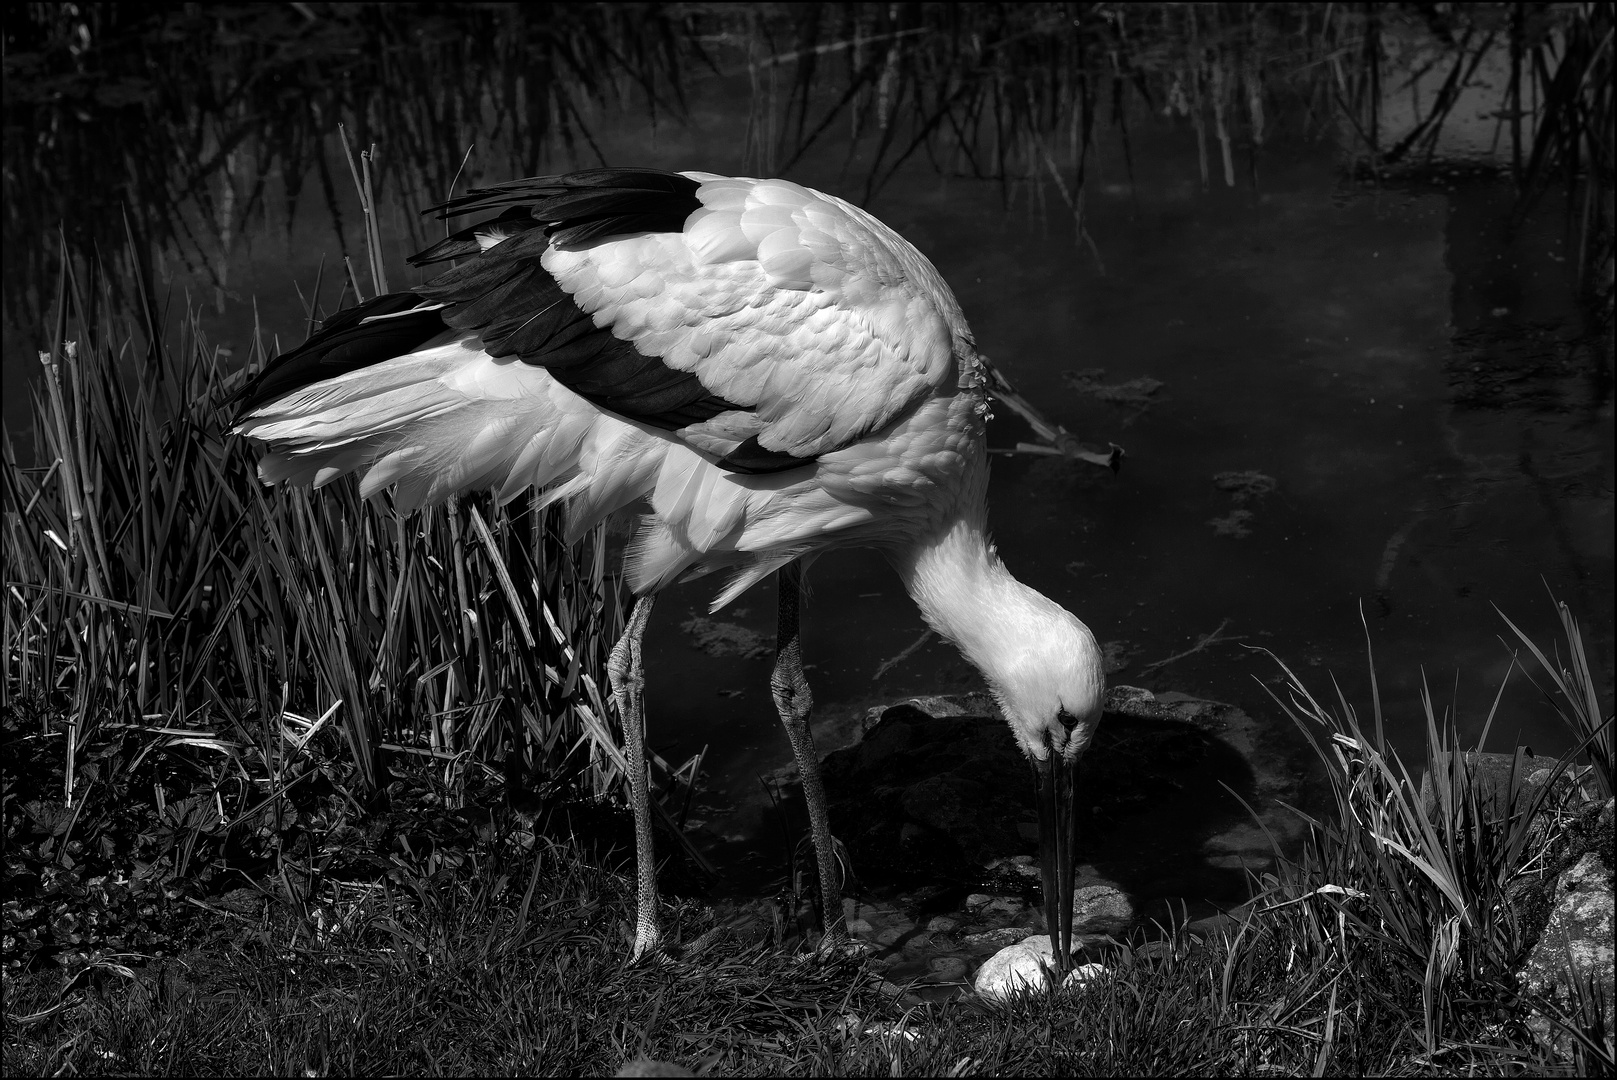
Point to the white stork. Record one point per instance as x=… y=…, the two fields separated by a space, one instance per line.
x=773 y=369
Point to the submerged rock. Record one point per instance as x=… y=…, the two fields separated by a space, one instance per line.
x=940 y=797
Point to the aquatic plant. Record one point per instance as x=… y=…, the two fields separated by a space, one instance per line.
x=188 y=113
x=1408 y=886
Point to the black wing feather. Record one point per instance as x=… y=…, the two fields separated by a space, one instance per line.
x=345 y=343
x=516 y=308
x=464 y=243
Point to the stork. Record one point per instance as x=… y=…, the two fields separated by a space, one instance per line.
x=775 y=371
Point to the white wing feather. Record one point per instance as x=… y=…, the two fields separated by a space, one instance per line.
x=780 y=297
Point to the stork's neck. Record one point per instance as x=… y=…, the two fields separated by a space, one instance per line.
x=1037 y=657
x=961 y=587
x=968 y=596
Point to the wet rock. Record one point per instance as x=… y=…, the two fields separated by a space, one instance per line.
x=947 y=968
x=1004 y=935
x=942 y=924
x=1015 y=870
x=1004 y=905
x=1575 y=946
x=1101 y=909
x=1491 y=775
x=1097 y=909
x=1580 y=778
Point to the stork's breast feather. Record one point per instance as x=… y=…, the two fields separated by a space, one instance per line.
x=779 y=298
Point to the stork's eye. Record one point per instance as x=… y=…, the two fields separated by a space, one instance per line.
x=1068 y=720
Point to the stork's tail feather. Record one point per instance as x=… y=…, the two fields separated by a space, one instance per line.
x=448 y=419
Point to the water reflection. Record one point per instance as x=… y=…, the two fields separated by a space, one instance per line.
x=1332 y=392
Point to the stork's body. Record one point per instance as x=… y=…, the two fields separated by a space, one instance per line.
x=773 y=369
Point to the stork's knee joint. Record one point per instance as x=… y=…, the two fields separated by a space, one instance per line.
x=792 y=690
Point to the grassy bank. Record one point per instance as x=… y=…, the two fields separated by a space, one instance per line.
x=438 y=929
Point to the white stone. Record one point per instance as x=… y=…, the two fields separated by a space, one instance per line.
x=1014 y=969
x=1083 y=973
x=1020 y=968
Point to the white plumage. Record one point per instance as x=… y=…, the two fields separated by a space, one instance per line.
x=838 y=399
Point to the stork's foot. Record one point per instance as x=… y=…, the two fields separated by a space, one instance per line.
x=650 y=948
x=837 y=943
x=838 y=946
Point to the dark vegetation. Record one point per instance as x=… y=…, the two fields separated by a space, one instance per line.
x=184 y=112
x=294 y=783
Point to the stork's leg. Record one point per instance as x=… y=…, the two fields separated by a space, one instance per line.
x=794 y=702
x=627 y=672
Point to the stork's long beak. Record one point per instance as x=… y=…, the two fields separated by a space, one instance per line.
x=1055 y=783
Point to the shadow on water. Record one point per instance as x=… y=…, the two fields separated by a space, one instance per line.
x=1230 y=237
x=924 y=799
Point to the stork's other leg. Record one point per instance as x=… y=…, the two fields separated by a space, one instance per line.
x=794 y=702
x=627 y=671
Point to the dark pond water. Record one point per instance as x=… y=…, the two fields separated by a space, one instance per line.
x=1336 y=397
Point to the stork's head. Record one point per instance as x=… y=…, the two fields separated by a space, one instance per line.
x=1045 y=669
